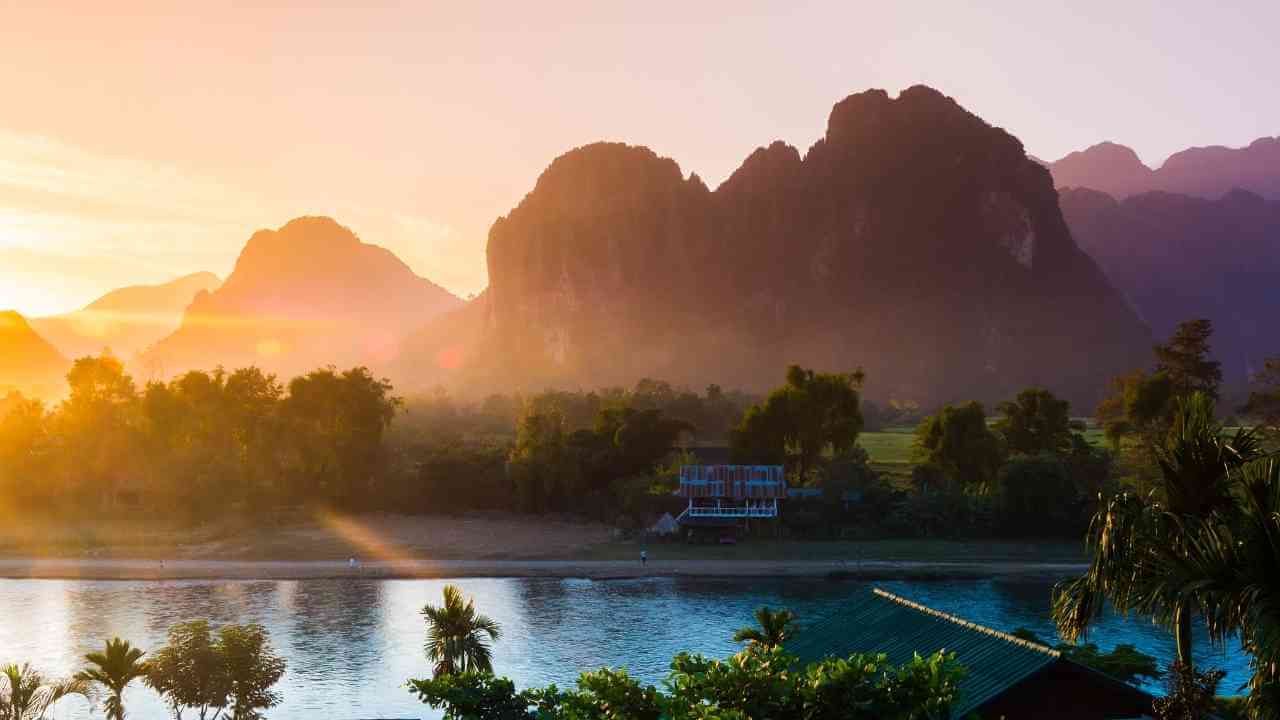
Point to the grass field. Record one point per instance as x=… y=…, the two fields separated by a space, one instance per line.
x=892 y=449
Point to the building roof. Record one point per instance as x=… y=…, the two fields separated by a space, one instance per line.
x=880 y=622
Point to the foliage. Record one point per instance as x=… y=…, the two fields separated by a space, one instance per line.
x=1038 y=497
x=25 y=694
x=774 y=627
x=1189 y=694
x=1124 y=662
x=1130 y=537
x=755 y=684
x=456 y=635
x=1035 y=422
x=473 y=696
x=957 y=440
x=1264 y=399
x=813 y=413
x=190 y=671
x=252 y=669
x=231 y=672
x=118 y=665
x=1185 y=360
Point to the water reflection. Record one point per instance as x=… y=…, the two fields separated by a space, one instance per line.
x=351 y=644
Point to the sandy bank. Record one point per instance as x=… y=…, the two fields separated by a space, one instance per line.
x=118 y=569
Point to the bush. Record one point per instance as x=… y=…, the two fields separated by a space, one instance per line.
x=757 y=683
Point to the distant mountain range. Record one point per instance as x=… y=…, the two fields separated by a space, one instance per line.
x=27 y=361
x=127 y=320
x=1178 y=257
x=1206 y=172
x=307 y=295
x=913 y=240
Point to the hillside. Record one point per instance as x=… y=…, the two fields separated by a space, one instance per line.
x=28 y=363
x=1205 y=172
x=1178 y=257
x=126 y=320
x=914 y=240
x=306 y=295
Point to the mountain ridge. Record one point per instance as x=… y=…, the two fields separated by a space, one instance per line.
x=911 y=230
x=125 y=320
x=1207 y=172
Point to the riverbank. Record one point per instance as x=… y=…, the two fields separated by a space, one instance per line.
x=120 y=569
x=497 y=545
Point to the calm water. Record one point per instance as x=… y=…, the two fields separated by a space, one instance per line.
x=351 y=644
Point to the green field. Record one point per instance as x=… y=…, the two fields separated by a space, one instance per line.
x=892 y=449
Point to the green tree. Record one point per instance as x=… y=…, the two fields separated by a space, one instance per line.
x=957 y=440
x=252 y=669
x=758 y=682
x=1035 y=422
x=544 y=468
x=1124 y=662
x=458 y=637
x=812 y=414
x=118 y=665
x=1128 y=534
x=189 y=672
x=772 y=629
x=1264 y=399
x=98 y=424
x=337 y=422
x=25 y=694
x=1185 y=360
x=1140 y=403
x=1229 y=562
x=1038 y=497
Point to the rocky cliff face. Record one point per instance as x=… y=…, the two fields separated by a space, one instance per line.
x=126 y=320
x=1205 y=172
x=913 y=240
x=1179 y=257
x=307 y=295
x=28 y=363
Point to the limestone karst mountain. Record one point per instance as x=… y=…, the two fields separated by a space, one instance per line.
x=913 y=240
x=307 y=295
x=126 y=320
x=28 y=363
x=1179 y=257
x=1205 y=172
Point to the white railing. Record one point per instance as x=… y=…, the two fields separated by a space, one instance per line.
x=752 y=510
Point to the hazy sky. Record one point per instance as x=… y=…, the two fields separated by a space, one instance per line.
x=140 y=141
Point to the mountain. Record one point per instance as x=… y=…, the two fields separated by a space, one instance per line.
x=307 y=295
x=914 y=240
x=125 y=320
x=1179 y=257
x=1206 y=172
x=28 y=363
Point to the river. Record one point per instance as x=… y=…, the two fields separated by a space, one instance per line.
x=351 y=644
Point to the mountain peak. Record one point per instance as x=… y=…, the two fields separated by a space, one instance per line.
x=293 y=293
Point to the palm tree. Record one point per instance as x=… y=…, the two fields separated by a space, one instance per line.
x=25 y=694
x=1131 y=535
x=774 y=629
x=1232 y=561
x=118 y=665
x=456 y=635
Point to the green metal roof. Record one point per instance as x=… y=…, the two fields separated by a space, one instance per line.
x=880 y=622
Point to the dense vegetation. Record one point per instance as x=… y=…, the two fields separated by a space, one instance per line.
x=761 y=681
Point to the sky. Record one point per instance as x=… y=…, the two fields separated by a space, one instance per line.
x=140 y=141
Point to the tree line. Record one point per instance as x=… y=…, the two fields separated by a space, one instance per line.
x=223 y=674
